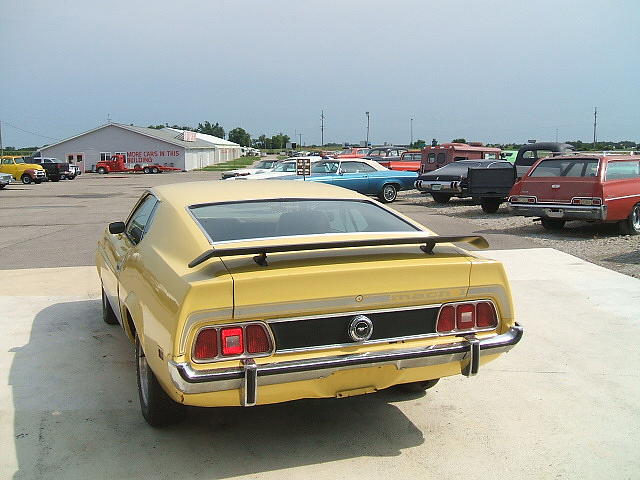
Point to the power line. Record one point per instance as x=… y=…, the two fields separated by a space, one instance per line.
x=27 y=131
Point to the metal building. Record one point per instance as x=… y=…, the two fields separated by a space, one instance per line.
x=167 y=146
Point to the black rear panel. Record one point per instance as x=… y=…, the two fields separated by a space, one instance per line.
x=334 y=330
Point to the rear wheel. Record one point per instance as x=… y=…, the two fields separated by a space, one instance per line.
x=388 y=193
x=441 y=197
x=155 y=170
x=157 y=408
x=146 y=170
x=553 y=223
x=416 y=387
x=490 y=205
x=26 y=179
x=631 y=225
x=102 y=170
x=108 y=315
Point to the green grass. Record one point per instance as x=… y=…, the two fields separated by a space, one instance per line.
x=231 y=165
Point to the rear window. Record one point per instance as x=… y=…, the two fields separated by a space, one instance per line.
x=572 y=167
x=622 y=170
x=283 y=218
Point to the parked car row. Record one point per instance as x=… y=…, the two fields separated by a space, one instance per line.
x=550 y=182
x=36 y=169
x=545 y=180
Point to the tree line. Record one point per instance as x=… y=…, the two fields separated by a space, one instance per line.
x=237 y=135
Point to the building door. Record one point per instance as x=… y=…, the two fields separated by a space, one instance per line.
x=76 y=159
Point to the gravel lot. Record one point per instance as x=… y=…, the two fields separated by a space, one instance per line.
x=599 y=244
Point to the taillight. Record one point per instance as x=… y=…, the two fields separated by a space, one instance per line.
x=217 y=343
x=206 y=346
x=446 y=319
x=257 y=339
x=232 y=341
x=486 y=315
x=587 y=201
x=466 y=316
x=522 y=199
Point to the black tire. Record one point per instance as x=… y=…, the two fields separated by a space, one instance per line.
x=2 y=186
x=417 y=387
x=108 y=315
x=441 y=197
x=26 y=179
x=71 y=177
x=37 y=182
x=631 y=224
x=157 y=408
x=553 y=223
x=490 y=205
x=388 y=193
x=155 y=170
x=102 y=170
x=146 y=170
x=54 y=179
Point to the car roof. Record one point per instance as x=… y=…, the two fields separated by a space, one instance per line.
x=191 y=193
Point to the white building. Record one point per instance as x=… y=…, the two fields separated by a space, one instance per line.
x=166 y=146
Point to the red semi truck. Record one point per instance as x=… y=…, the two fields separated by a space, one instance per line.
x=117 y=164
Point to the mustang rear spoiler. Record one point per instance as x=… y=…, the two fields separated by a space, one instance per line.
x=428 y=241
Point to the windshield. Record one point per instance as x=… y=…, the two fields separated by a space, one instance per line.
x=282 y=218
x=285 y=167
x=325 y=167
x=566 y=167
x=265 y=164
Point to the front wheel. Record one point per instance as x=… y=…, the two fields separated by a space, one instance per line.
x=155 y=170
x=490 y=205
x=416 y=387
x=388 y=194
x=102 y=170
x=441 y=197
x=553 y=223
x=26 y=179
x=157 y=408
x=631 y=224
x=146 y=170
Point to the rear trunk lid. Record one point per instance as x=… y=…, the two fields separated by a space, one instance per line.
x=323 y=282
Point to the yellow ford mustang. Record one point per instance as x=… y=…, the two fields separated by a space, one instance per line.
x=249 y=293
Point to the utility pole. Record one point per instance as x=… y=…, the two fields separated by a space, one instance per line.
x=1 y=147
x=595 y=125
x=411 y=143
x=556 y=135
x=300 y=142
x=322 y=128
x=367 y=114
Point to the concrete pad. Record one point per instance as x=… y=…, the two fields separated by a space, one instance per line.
x=563 y=403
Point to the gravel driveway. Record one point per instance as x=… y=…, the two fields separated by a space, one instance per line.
x=599 y=244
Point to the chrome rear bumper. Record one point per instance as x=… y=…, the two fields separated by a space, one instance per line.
x=563 y=211
x=250 y=376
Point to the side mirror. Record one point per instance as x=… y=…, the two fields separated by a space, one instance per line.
x=116 y=227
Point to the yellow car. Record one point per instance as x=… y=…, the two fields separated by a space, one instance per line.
x=20 y=170
x=252 y=293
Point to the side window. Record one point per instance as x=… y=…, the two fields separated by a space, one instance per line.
x=440 y=158
x=432 y=157
x=622 y=170
x=139 y=221
x=457 y=159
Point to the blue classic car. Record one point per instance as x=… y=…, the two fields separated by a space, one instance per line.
x=362 y=175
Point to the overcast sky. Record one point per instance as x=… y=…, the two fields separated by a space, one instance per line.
x=492 y=71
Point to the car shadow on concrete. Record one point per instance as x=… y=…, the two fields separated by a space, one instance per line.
x=77 y=415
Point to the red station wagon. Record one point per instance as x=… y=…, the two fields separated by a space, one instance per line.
x=591 y=187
